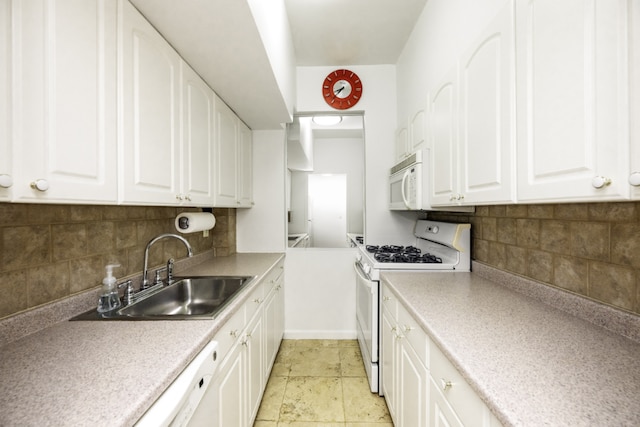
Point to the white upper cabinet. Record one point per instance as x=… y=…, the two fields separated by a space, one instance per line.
x=471 y=116
x=402 y=144
x=64 y=100
x=197 y=139
x=443 y=109
x=418 y=131
x=233 y=159
x=226 y=155
x=245 y=166
x=573 y=100
x=487 y=114
x=150 y=114
x=6 y=176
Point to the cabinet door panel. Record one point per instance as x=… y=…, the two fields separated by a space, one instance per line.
x=228 y=391
x=65 y=99
x=487 y=113
x=245 y=167
x=5 y=101
x=226 y=151
x=388 y=361
x=197 y=139
x=414 y=383
x=151 y=96
x=572 y=99
x=443 y=139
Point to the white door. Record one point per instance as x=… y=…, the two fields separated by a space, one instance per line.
x=64 y=111
x=444 y=156
x=328 y=210
x=197 y=139
x=487 y=114
x=245 y=166
x=226 y=155
x=572 y=68
x=150 y=114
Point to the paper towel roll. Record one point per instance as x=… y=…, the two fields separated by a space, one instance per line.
x=190 y=222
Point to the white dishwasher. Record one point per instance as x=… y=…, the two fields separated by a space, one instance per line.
x=182 y=399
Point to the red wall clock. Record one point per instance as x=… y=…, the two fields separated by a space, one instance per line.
x=342 y=89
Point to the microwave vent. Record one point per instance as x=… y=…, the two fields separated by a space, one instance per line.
x=411 y=160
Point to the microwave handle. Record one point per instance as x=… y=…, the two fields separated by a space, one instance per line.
x=404 y=184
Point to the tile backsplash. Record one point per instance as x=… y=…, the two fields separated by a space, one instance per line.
x=49 y=252
x=592 y=249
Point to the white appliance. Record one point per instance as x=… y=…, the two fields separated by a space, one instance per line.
x=406 y=183
x=439 y=246
x=181 y=402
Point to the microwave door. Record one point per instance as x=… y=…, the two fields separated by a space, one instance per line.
x=405 y=178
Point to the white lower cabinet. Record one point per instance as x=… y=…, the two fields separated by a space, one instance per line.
x=420 y=385
x=248 y=343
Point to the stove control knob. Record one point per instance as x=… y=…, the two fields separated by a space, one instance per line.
x=358 y=257
x=435 y=229
x=367 y=269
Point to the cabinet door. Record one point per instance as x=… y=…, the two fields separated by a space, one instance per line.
x=389 y=362
x=572 y=62
x=150 y=113
x=440 y=413
x=245 y=166
x=443 y=136
x=274 y=326
x=197 y=139
x=225 y=153
x=418 y=131
x=413 y=386
x=402 y=143
x=254 y=343
x=64 y=110
x=229 y=392
x=6 y=177
x=487 y=114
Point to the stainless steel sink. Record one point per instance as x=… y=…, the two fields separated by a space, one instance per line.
x=187 y=298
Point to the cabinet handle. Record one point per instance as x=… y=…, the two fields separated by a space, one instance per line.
x=179 y=197
x=6 y=181
x=386 y=298
x=40 y=185
x=257 y=300
x=634 y=179
x=407 y=328
x=600 y=181
x=188 y=197
x=446 y=385
x=234 y=333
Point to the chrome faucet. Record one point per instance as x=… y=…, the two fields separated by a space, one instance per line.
x=145 y=279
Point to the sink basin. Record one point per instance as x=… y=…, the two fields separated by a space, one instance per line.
x=187 y=298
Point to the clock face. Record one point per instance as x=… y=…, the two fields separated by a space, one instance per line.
x=342 y=89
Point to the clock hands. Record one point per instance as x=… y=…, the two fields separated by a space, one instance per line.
x=337 y=92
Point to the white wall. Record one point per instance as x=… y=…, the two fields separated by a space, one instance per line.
x=262 y=228
x=320 y=294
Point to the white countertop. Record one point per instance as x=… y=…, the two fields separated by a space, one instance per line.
x=532 y=364
x=108 y=373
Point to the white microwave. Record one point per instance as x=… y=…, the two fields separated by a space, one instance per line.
x=405 y=184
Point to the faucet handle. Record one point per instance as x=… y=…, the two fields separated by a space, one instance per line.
x=170 y=271
x=158 y=280
x=127 y=298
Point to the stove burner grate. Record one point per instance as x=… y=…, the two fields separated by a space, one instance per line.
x=402 y=254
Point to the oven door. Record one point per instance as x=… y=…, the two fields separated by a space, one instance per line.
x=367 y=315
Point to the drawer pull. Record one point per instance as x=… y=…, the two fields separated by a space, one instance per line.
x=234 y=333
x=446 y=385
x=407 y=328
x=386 y=298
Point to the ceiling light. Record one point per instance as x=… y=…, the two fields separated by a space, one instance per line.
x=327 y=120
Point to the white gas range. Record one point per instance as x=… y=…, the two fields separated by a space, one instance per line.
x=439 y=246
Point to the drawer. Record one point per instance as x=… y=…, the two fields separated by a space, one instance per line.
x=462 y=398
x=414 y=334
x=389 y=301
x=230 y=332
x=254 y=301
x=276 y=275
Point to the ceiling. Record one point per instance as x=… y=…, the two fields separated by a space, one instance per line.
x=351 y=32
x=220 y=40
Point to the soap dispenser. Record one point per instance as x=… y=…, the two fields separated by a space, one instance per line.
x=109 y=299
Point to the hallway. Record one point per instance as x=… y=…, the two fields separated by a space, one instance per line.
x=318 y=383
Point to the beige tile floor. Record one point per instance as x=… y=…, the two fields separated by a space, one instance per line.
x=320 y=383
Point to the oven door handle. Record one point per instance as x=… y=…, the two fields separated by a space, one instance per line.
x=363 y=277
